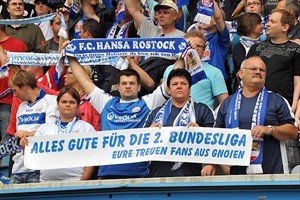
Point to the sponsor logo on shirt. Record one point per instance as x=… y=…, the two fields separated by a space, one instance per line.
x=122 y=118
x=35 y=118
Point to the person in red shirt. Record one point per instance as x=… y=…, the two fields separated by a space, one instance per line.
x=13 y=45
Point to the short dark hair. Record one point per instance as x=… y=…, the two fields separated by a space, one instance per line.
x=179 y=72
x=70 y=91
x=246 y=23
x=129 y=72
x=93 y=27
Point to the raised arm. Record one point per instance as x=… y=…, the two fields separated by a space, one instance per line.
x=146 y=81
x=134 y=8
x=238 y=9
x=179 y=63
x=81 y=76
x=89 y=10
x=218 y=16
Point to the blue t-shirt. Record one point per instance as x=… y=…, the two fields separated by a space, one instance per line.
x=206 y=90
x=118 y=114
x=217 y=49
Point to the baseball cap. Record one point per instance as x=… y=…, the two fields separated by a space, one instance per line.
x=166 y=4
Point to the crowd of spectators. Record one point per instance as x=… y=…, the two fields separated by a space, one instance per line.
x=249 y=52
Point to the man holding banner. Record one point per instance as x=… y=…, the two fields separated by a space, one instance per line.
x=180 y=110
x=124 y=112
x=267 y=114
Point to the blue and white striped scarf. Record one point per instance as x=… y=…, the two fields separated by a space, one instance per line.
x=258 y=118
x=186 y=115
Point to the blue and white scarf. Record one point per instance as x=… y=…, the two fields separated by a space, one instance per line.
x=186 y=115
x=9 y=147
x=258 y=118
x=62 y=31
x=248 y=42
x=65 y=129
x=31 y=20
x=121 y=63
x=194 y=65
x=205 y=11
x=102 y=51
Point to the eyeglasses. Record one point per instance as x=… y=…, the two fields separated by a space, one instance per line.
x=254 y=69
x=253 y=3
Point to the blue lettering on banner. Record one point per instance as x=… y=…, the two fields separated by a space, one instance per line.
x=151 y=151
x=169 y=46
x=181 y=151
x=202 y=152
x=83 y=143
x=174 y=144
x=47 y=147
x=140 y=139
x=122 y=154
x=225 y=153
x=114 y=140
x=207 y=138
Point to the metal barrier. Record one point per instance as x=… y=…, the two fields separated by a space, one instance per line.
x=259 y=187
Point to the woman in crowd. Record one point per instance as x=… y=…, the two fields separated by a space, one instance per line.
x=86 y=111
x=249 y=27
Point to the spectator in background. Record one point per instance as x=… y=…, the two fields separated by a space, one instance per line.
x=86 y=111
x=30 y=34
x=28 y=6
x=249 y=27
x=14 y=45
x=87 y=9
x=211 y=90
x=282 y=58
x=104 y=76
x=166 y=15
x=268 y=6
x=292 y=7
x=42 y=7
x=253 y=6
x=53 y=43
x=275 y=123
x=218 y=43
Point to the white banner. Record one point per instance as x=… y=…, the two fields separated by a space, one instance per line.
x=179 y=144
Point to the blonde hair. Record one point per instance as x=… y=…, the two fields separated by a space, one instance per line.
x=87 y=70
